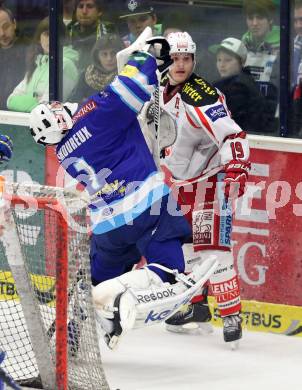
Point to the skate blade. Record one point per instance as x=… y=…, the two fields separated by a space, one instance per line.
x=234 y=345
x=191 y=328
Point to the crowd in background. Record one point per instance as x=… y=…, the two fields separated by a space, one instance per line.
x=246 y=63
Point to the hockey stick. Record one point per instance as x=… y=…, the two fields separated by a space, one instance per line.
x=144 y=42
x=8 y=380
x=122 y=58
x=74 y=325
x=52 y=328
x=159 y=48
x=5 y=378
x=157 y=116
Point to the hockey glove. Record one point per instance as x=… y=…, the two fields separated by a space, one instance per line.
x=6 y=148
x=160 y=48
x=236 y=175
x=150 y=112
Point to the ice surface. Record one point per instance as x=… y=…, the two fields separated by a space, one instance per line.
x=154 y=359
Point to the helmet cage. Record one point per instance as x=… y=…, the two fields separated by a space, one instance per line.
x=49 y=123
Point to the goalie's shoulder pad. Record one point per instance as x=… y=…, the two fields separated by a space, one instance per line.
x=198 y=92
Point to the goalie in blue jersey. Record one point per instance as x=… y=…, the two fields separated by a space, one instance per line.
x=133 y=214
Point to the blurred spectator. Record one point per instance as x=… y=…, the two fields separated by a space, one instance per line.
x=297 y=60
x=34 y=88
x=12 y=55
x=249 y=108
x=68 y=8
x=139 y=14
x=170 y=30
x=296 y=75
x=102 y=70
x=263 y=44
x=28 y=13
x=87 y=27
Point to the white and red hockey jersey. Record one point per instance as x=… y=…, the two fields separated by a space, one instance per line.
x=199 y=137
x=205 y=130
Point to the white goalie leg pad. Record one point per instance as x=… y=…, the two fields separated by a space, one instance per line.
x=109 y=312
x=155 y=306
x=139 y=298
x=140 y=307
x=105 y=293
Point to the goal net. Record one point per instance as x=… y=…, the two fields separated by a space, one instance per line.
x=47 y=321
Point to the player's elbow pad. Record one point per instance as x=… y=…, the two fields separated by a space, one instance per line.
x=235 y=148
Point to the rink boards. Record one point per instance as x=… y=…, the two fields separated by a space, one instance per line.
x=266 y=317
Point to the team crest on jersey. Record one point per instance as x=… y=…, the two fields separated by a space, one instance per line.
x=203 y=222
x=198 y=92
x=216 y=112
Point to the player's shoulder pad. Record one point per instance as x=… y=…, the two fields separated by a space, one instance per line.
x=198 y=92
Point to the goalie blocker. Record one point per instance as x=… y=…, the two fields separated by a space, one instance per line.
x=139 y=298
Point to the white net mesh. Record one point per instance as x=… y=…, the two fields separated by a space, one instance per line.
x=34 y=239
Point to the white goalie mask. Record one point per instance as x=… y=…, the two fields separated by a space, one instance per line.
x=49 y=122
x=181 y=42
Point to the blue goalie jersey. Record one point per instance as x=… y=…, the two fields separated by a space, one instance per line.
x=106 y=150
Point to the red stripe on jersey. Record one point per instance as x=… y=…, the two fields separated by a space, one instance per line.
x=222 y=100
x=242 y=135
x=230 y=310
x=204 y=121
x=170 y=91
x=191 y=121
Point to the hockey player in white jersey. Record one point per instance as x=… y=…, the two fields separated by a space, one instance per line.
x=207 y=165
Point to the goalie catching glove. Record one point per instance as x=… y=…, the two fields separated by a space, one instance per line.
x=50 y=122
x=158 y=47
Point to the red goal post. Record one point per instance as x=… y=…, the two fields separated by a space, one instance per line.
x=47 y=319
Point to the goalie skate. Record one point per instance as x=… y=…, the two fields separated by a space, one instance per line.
x=191 y=318
x=112 y=338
